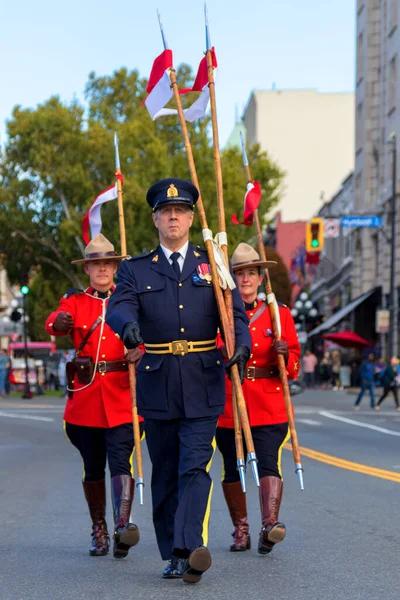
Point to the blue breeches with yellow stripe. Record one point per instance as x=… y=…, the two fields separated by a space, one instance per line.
x=181 y=452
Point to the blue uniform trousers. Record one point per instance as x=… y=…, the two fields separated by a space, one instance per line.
x=181 y=451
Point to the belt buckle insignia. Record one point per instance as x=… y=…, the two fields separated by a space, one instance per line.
x=251 y=373
x=179 y=347
x=101 y=366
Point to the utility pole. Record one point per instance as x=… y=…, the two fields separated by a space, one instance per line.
x=27 y=390
x=393 y=213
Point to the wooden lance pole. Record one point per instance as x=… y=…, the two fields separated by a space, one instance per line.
x=227 y=332
x=131 y=367
x=276 y=330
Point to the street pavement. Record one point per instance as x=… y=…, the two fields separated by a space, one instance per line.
x=343 y=530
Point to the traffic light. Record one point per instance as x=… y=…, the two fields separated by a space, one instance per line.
x=315 y=235
x=24 y=289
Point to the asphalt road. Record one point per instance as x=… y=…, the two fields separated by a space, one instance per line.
x=343 y=531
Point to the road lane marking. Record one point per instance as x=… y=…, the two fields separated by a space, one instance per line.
x=309 y=422
x=21 y=416
x=347 y=464
x=358 y=424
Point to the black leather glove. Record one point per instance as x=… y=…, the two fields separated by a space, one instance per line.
x=63 y=322
x=240 y=358
x=131 y=335
x=281 y=347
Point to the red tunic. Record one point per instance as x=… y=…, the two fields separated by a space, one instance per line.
x=106 y=402
x=264 y=397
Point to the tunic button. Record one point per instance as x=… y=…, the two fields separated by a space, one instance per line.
x=180 y=284
x=256 y=345
x=181 y=306
x=278 y=388
x=102 y=374
x=149 y=287
x=251 y=314
x=50 y=324
x=103 y=337
x=182 y=329
x=253 y=328
x=85 y=327
x=117 y=335
x=251 y=356
x=218 y=362
x=147 y=367
x=103 y=356
x=254 y=362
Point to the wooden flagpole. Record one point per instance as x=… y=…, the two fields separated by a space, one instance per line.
x=276 y=330
x=131 y=367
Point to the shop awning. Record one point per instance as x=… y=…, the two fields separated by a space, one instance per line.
x=340 y=314
x=347 y=339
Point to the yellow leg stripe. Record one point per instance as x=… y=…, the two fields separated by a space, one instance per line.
x=280 y=452
x=206 y=519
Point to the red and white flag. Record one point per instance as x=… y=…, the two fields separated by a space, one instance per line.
x=159 y=86
x=92 y=218
x=252 y=200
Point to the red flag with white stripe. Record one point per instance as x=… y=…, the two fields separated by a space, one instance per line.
x=159 y=86
x=252 y=200
x=92 y=218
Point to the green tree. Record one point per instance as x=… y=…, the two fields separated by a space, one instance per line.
x=58 y=157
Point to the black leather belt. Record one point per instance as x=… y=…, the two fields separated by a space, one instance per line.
x=261 y=373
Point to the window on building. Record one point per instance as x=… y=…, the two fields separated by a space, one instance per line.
x=358 y=196
x=360 y=57
x=359 y=127
x=393 y=14
x=392 y=82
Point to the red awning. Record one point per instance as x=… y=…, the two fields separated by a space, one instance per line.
x=347 y=339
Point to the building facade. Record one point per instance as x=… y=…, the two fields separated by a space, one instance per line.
x=311 y=137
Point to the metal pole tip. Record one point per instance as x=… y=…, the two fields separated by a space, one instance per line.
x=299 y=470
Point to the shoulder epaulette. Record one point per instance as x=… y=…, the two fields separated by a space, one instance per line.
x=72 y=292
x=141 y=255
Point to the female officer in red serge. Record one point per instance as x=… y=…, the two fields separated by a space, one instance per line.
x=265 y=406
x=98 y=413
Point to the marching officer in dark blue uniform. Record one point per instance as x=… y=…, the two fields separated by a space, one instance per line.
x=165 y=300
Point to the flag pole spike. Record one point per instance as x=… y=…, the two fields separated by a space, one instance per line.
x=117 y=163
x=208 y=40
x=244 y=155
x=164 y=39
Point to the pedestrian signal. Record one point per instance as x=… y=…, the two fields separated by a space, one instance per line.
x=24 y=289
x=15 y=316
x=315 y=235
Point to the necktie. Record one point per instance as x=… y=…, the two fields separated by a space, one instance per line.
x=175 y=265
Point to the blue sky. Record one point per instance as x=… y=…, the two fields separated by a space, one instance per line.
x=49 y=48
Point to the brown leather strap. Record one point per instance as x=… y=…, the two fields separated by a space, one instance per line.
x=261 y=372
x=87 y=336
x=258 y=313
x=107 y=366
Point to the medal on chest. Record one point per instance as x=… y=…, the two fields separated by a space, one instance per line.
x=204 y=272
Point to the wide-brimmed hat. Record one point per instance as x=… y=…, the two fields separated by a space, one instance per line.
x=99 y=248
x=246 y=256
x=172 y=191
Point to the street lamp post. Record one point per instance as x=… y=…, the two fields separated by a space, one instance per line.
x=303 y=308
x=27 y=390
x=393 y=213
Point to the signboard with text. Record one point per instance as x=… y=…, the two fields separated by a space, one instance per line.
x=331 y=228
x=382 y=321
x=371 y=221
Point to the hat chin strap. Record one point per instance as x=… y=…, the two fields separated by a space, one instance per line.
x=224 y=276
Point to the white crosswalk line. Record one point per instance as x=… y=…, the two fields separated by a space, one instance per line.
x=358 y=424
x=309 y=422
x=22 y=416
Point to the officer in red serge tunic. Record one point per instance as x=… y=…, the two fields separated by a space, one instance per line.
x=98 y=413
x=265 y=406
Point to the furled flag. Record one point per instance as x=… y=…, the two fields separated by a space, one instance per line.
x=159 y=86
x=251 y=203
x=93 y=215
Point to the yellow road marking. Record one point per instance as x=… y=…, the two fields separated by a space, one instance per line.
x=347 y=464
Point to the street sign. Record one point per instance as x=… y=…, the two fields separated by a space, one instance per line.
x=302 y=337
x=331 y=228
x=372 y=221
x=382 y=321
x=6 y=329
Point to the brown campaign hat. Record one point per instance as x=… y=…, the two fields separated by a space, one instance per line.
x=246 y=256
x=97 y=249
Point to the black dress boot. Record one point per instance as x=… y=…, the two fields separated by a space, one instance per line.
x=95 y=494
x=272 y=531
x=174 y=569
x=236 y=501
x=126 y=534
x=199 y=562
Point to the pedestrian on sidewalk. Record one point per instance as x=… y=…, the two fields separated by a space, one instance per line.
x=325 y=368
x=389 y=379
x=368 y=369
x=4 y=360
x=98 y=413
x=310 y=361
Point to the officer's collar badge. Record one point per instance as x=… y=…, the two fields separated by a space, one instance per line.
x=155 y=258
x=204 y=272
x=197 y=254
x=172 y=192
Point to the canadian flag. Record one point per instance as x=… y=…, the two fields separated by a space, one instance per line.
x=159 y=86
x=252 y=200
x=92 y=218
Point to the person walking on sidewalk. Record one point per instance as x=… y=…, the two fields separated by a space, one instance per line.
x=310 y=361
x=368 y=369
x=389 y=380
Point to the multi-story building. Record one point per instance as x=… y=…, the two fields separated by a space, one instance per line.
x=311 y=137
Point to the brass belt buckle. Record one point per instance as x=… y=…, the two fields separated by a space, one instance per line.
x=179 y=347
x=102 y=366
x=251 y=373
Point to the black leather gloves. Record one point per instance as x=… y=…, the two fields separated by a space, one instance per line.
x=131 y=335
x=63 y=322
x=281 y=347
x=240 y=358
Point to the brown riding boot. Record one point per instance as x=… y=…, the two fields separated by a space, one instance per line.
x=272 y=531
x=95 y=494
x=126 y=534
x=236 y=501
